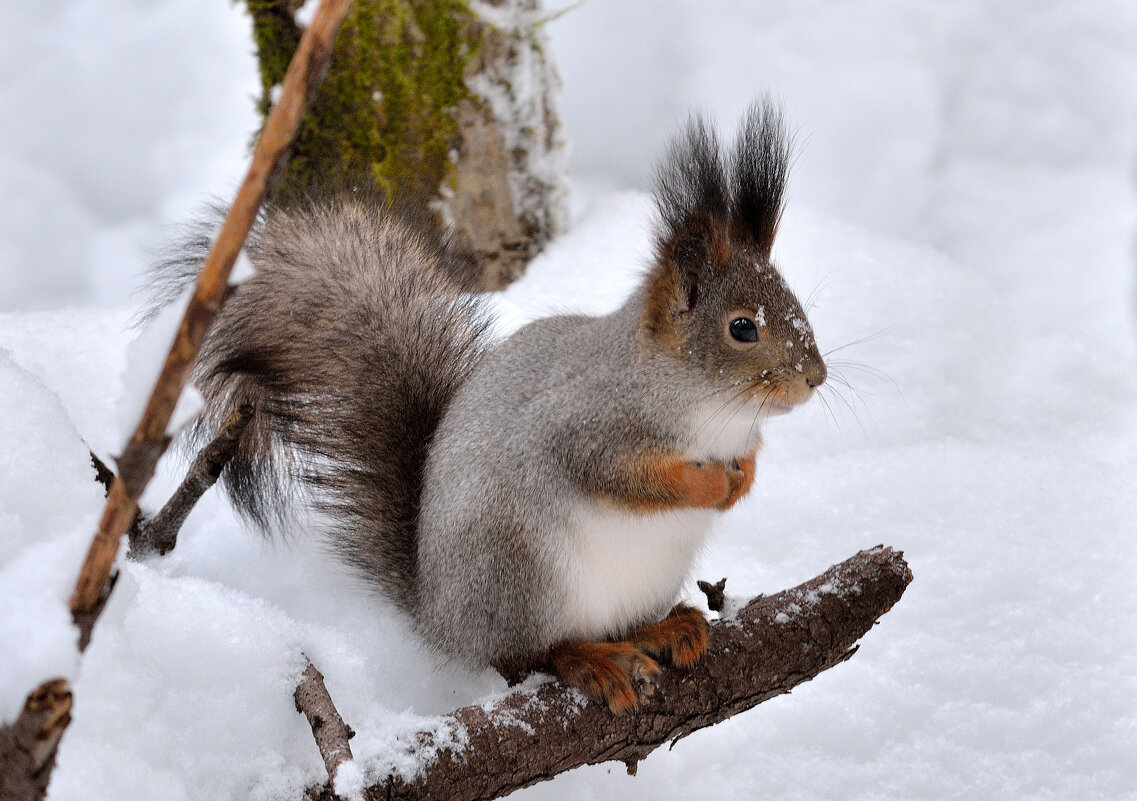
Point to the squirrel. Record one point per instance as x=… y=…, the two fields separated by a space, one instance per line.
x=536 y=503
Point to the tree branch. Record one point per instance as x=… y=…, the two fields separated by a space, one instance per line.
x=27 y=747
x=770 y=646
x=331 y=733
x=160 y=533
x=103 y=474
x=149 y=441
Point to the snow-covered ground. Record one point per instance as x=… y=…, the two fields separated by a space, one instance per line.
x=963 y=205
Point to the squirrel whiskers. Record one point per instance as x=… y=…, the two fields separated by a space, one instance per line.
x=535 y=503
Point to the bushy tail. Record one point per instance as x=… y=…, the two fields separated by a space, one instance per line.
x=348 y=344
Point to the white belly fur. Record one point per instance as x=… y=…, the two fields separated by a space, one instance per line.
x=623 y=568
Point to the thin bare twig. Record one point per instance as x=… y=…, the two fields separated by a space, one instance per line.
x=149 y=441
x=716 y=594
x=85 y=621
x=160 y=533
x=103 y=474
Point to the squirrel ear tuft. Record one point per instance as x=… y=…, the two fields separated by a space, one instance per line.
x=694 y=205
x=759 y=170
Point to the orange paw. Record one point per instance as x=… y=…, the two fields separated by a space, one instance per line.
x=705 y=484
x=614 y=672
x=680 y=638
x=657 y=483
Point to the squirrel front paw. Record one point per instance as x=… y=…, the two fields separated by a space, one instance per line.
x=617 y=673
x=719 y=485
x=659 y=483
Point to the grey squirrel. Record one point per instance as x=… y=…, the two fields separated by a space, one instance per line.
x=534 y=504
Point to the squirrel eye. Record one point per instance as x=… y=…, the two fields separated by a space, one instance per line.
x=743 y=329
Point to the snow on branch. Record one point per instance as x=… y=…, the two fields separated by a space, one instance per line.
x=769 y=646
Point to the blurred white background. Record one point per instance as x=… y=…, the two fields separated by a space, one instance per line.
x=1001 y=132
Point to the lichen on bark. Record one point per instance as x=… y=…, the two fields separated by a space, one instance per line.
x=386 y=113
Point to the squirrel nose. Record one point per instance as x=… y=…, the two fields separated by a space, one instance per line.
x=816 y=375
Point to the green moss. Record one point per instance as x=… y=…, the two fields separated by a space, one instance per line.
x=386 y=114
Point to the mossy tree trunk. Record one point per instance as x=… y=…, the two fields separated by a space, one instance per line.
x=441 y=103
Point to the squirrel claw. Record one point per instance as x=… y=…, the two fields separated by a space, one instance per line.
x=645 y=685
x=740 y=476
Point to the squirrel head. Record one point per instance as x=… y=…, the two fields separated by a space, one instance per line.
x=714 y=298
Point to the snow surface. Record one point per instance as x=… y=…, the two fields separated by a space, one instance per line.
x=963 y=208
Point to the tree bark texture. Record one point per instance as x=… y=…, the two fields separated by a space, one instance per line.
x=28 y=746
x=446 y=104
x=762 y=650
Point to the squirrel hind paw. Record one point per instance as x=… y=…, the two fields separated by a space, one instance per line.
x=618 y=673
x=680 y=638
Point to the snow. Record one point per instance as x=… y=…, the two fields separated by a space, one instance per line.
x=350 y=781
x=962 y=202
x=306 y=13
x=45 y=533
x=118 y=117
x=145 y=357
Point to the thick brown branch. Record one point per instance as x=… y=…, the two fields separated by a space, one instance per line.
x=331 y=733
x=160 y=533
x=770 y=646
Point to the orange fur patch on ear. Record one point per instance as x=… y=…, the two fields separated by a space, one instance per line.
x=662 y=322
